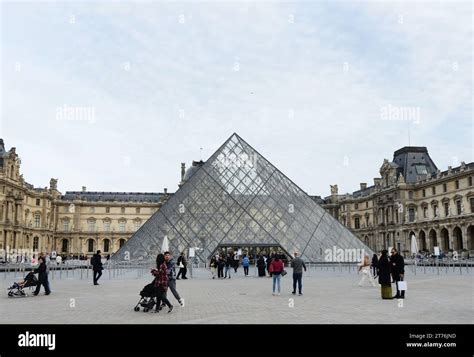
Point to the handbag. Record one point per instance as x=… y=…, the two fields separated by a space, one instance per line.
x=402 y=285
x=284 y=272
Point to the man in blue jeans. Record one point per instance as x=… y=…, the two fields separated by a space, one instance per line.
x=298 y=266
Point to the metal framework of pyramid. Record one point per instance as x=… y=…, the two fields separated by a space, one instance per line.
x=235 y=198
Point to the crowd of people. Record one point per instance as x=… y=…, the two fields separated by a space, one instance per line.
x=273 y=266
x=388 y=270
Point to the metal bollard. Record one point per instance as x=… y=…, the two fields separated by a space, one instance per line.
x=81 y=271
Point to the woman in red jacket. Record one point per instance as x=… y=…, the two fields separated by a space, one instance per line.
x=276 y=267
x=161 y=283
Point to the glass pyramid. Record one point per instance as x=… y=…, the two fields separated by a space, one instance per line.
x=238 y=198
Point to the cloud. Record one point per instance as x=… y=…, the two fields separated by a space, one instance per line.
x=303 y=83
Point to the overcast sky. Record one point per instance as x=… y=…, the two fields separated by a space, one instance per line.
x=308 y=85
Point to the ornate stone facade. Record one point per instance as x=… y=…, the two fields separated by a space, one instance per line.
x=44 y=220
x=411 y=196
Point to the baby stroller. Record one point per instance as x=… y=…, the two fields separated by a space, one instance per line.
x=147 y=298
x=18 y=288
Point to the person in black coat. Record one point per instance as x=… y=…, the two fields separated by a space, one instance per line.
x=42 y=277
x=261 y=266
x=97 y=267
x=182 y=263
x=397 y=264
x=375 y=261
x=384 y=269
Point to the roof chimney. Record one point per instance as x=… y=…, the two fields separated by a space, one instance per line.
x=363 y=185
x=183 y=170
x=166 y=191
x=84 y=188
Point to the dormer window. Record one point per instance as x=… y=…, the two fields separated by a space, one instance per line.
x=421 y=170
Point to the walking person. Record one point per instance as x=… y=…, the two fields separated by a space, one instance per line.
x=182 y=263
x=375 y=261
x=213 y=266
x=235 y=262
x=42 y=277
x=97 y=267
x=398 y=271
x=298 y=266
x=170 y=267
x=261 y=266
x=364 y=266
x=228 y=265
x=220 y=267
x=385 y=280
x=161 y=283
x=276 y=267
x=246 y=264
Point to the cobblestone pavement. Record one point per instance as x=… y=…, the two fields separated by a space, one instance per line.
x=330 y=296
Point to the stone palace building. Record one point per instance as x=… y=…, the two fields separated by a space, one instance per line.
x=411 y=197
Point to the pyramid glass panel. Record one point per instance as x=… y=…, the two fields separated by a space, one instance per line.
x=238 y=198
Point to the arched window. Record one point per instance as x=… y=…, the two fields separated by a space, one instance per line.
x=90 y=245
x=106 y=245
x=35 y=244
x=64 y=246
x=121 y=242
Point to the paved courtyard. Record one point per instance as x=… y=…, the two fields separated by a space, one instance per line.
x=330 y=296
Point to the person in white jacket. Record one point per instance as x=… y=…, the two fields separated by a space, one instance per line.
x=364 y=267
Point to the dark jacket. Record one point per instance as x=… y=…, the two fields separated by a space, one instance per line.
x=170 y=266
x=384 y=271
x=181 y=259
x=96 y=262
x=398 y=265
x=375 y=260
x=229 y=262
x=42 y=273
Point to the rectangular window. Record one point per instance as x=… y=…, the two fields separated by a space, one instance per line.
x=107 y=209
x=433 y=190
x=445 y=187
x=423 y=193
x=456 y=183
x=366 y=221
x=435 y=211
x=107 y=226
x=38 y=202
x=446 y=209
x=122 y=210
x=137 y=225
x=411 y=214
x=37 y=221
x=66 y=226
x=469 y=180
x=472 y=205
x=367 y=204
x=410 y=195
x=425 y=212
x=356 y=206
x=137 y=210
x=122 y=226
x=91 y=225
x=357 y=223
x=458 y=207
